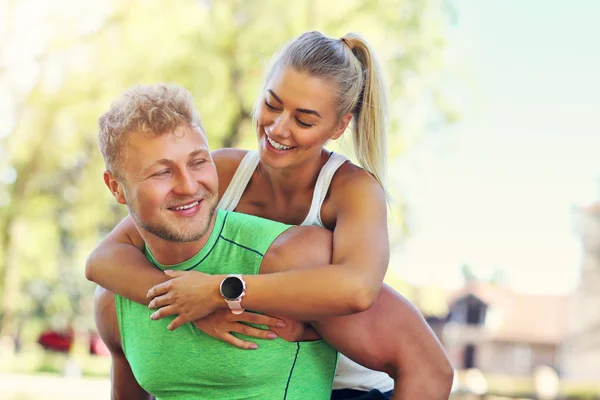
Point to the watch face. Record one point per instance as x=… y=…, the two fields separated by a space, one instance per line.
x=232 y=288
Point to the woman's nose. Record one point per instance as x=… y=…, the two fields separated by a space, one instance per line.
x=280 y=127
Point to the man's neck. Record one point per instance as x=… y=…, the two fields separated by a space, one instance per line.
x=170 y=253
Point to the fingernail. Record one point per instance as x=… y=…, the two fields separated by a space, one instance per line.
x=272 y=335
x=253 y=346
x=153 y=316
x=280 y=324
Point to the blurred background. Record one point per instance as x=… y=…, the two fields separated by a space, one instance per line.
x=493 y=165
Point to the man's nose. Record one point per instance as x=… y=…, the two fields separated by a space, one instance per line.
x=187 y=184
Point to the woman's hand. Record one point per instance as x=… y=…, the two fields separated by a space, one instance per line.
x=222 y=323
x=190 y=295
x=193 y=295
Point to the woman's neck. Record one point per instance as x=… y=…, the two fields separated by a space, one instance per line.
x=287 y=183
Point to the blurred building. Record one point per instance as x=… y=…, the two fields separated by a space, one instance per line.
x=581 y=350
x=499 y=331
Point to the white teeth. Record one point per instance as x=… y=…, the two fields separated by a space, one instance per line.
x=278 y=146
x=186 y=207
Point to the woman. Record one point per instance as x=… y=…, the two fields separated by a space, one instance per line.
x=314 y=89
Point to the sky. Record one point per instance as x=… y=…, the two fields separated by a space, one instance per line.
x=498 y=188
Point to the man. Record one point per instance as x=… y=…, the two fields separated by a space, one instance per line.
x=159 y=165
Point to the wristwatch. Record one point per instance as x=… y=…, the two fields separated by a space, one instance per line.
x=233 y=288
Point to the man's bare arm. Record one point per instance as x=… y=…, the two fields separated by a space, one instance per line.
x=123 y=383
x=391 y=336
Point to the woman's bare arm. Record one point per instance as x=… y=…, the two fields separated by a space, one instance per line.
x=359 y=260
x=348 y=285
x=119 y=264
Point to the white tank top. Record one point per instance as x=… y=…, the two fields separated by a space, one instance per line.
x=349 y=375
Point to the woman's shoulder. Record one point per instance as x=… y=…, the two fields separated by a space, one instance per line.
x=353 y=184
x=352 y=175
x=227 y=160
x=228 y=156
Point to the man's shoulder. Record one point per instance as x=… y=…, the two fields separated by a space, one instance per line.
x=103 y=299
x=236 y=221
x=250 y=231
x=105 y=314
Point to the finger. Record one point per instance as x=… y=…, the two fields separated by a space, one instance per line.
x=163 y=312
x=254 y=332
x=160 y=301
x=177 y=322
x=237 y=342
x=260 y=319
x=174 y=274
x=159 y=289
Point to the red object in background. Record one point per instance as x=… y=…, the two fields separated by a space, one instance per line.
x=56 y=341
x=62 y=342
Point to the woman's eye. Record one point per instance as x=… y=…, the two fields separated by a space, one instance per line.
x=161 y=173
x=269 y=106
x=198 y=163
x=303 y=124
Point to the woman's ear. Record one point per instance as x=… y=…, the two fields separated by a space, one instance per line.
x=342 y=125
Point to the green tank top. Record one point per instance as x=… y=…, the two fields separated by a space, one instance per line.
x=188 y=364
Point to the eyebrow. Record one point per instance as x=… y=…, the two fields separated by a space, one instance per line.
x=302 y=110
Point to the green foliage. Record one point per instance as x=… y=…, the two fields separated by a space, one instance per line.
x=56 y=208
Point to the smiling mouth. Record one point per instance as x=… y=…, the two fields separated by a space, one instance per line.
x=185 y=207
x=277 y=145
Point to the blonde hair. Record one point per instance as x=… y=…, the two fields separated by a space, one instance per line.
x=149 y=109
x=351 y=64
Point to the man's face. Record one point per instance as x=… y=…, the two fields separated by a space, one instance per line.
x=169 y=184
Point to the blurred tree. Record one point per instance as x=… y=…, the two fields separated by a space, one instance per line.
x=57 y=79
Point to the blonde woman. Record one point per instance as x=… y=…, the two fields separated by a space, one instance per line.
x=315 y=88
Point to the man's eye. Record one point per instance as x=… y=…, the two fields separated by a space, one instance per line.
x=198 y=163
x=161 y=173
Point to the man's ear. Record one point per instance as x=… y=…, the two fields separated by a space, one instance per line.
x=342 y=125
x=115 y=187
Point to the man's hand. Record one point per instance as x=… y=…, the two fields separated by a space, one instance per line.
x=222 y=323
x=190 y=295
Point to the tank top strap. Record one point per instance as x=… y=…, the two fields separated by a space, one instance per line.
x=322 y=187
x=240 y=180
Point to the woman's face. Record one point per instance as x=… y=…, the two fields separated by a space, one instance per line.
x=296 y=117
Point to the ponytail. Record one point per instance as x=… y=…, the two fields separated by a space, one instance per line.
x=370 y=114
